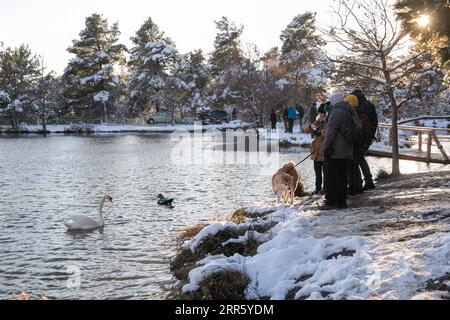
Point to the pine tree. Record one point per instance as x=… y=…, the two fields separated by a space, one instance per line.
x=435 y=35
x=225 y=62
x=153 y=59
x=305 y=68
x=194 y=73
x=18 y=69
x=92 y=87
x=47 y=96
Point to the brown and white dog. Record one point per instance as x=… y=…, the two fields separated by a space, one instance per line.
x=285 y=182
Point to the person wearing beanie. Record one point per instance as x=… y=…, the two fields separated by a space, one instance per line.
x=337 y=152
x=336 y=98
x=368 y=108
x=352 y=100
x=355 y=183
x=317 y=129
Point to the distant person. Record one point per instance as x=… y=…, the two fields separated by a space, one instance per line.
x=337 y=151
x=234 y=114
x=285 y=119
x=292 y=114
x=312 y=114
x=369 y=109
x=355 y=185
x=317 y=128
x=273 y=119
x=300 y=115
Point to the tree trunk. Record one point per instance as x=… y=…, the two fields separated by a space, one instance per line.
x=395 y=156
x=394 y=106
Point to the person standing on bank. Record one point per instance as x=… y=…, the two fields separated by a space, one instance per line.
x=355 y=183
x=369 y=109
x=317 y=128
x=285 y=119
x=300 y=115
x=337 y=152
x=292 y=114
x=312 y=114
x=273 y=119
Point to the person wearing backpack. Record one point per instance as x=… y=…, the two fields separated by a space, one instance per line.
x=355 y=185
x=369 y=109
x=342 y=128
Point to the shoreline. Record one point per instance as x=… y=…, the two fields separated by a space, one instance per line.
x=398 y=232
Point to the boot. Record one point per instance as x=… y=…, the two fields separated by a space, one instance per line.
x=369 y=185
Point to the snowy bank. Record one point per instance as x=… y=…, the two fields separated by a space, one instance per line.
x=112 y=128
x=393 y=243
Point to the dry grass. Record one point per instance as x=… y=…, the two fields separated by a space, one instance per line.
x=222 y=285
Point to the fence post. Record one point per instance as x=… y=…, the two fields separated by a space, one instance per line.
x=420 y=141
x=441 y=148
x=430 y=138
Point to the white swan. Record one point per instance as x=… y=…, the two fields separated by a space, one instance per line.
x=83 y=222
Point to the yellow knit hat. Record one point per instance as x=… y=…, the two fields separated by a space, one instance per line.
x=353 y=100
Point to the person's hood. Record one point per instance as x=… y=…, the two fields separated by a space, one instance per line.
x=344 y=105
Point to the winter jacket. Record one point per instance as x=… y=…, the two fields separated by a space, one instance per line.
x=285 y=113
x=369 y=109
x=300 y=112
x=273 y=117
x=312 y=114
x=292 y=113
x=317 y=143
x=317 y=148
x=335 y=146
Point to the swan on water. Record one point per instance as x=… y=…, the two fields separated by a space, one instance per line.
x=83 y=222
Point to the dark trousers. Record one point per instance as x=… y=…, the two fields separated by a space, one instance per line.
x=274 y=125
x=336 y=185
x=291 y=125
x=318 y=169
x=365 y=169
x=355 y=182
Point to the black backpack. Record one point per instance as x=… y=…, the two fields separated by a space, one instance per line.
x=353 y=132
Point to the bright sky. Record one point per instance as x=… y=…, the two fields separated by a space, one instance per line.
x=48 y=26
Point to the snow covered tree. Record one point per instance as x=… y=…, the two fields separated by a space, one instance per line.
x=304 y=64
x=429 y=24
x=18 y=68
x=225 y=63
x=153 y=61
x=371 y=44
x=47 y=96
x=194 y=73
x=92 y=86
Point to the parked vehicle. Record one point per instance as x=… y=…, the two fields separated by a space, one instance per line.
x=214 y=117
x=164 y=117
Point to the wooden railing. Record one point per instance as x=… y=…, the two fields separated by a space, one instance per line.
x=430 y=132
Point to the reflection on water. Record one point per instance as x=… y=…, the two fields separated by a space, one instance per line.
x=44 y=181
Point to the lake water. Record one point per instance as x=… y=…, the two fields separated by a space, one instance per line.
x=45 y=180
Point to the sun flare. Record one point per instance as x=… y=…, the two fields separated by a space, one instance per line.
x=423 y=20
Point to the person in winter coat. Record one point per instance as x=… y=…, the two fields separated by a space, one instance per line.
x=337 y=152
x=292 y=114
x=300 y=115
x=312 y=114
x=354 y=175
x=369 y=109
x=317 y=128
x=285 y=119
x=273 y=119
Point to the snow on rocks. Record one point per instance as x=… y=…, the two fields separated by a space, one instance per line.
x=395 y=244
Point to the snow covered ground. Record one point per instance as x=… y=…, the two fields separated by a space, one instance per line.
x=112 y=128
x=393 y=243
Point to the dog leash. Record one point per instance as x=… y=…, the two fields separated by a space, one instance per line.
x=303 y=160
